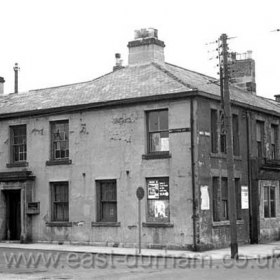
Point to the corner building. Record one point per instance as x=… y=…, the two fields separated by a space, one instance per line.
x=73 y=156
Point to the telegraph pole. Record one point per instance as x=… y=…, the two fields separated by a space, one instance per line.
x=229 y=145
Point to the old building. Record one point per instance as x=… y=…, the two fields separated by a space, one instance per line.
x=73 y=156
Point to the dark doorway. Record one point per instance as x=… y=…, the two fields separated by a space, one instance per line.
x=13 y=215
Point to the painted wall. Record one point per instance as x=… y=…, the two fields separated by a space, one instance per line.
x=108 y=144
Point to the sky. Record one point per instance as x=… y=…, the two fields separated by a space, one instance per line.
x=58 y=42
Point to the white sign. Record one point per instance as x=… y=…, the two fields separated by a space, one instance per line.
x=244 y=197
x=205 y=203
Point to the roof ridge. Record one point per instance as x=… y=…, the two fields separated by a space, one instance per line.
x=174 y=77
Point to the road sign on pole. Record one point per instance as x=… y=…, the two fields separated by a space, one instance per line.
x=140 y=194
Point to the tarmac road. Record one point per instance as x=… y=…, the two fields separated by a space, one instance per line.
x=35 y=264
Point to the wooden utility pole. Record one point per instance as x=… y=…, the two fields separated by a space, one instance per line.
x=229 y=146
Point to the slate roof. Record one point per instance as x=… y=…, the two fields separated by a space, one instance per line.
x=130 y=82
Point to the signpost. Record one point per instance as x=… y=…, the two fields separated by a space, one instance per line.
x=140 y=194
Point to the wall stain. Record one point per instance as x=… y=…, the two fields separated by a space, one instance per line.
x=37 y=131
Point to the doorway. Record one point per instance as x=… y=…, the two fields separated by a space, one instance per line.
x=13 y=214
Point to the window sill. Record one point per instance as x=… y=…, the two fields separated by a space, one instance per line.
x=157 y=155
x=59 y=224
x=17 y=164
x=226 y=223
x=158 y=225
x=105 y=224
x=58 y=162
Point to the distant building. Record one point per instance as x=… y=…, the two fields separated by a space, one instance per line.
x=73 y=156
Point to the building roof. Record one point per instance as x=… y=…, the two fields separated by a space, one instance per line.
x=127 y=83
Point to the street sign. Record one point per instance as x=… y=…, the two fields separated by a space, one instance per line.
x=140 y=193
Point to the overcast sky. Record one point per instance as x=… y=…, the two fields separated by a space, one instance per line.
x=58 y=42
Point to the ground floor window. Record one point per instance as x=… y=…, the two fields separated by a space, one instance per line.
x=220 y=202
x=269 y=202
x=106 y=197
x=158 y=209
x=59 y=202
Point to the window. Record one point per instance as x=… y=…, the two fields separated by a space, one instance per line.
x=158 y=200
x=214 y=131
x=216 y=198
x=106 y=194
x=235 y=135
x=223 y=139
x=158 y=135
x=59 y=202
x=238 y=198
x=260 y=138
x=18 y=143
x=269 y=202
x=60 y=140
x=224 y=198
x=274 y=141
x=220 y=198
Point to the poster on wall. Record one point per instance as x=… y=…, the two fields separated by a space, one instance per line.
x=158 y=189
x=205 y=202
x=244 y=197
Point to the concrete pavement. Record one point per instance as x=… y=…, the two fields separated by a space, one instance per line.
x=255 y=251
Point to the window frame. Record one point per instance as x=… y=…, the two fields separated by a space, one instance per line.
x=260 y=142
x=64 y=203
x=269 y=202
x=158 y=131
x=13 y=128
x=274 y=141
x=100 y=202
x=52 y=127
x=235 y=135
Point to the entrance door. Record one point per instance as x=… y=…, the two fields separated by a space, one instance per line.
x=13 y=215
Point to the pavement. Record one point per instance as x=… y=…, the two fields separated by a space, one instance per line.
x=255 y=251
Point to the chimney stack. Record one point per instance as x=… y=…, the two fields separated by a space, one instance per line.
x=242 y=71
x=146 y=47
x=16 y=69
x=277 y=97
x=2 y=81
x=118 y=62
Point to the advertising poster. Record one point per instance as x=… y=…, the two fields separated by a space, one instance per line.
x=244 y=197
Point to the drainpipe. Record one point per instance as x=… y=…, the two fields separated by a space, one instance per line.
x=194 y=216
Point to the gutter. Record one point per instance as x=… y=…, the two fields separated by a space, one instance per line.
x=194 y=215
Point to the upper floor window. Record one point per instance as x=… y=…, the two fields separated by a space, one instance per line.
x=18 y=143
x=158 y=134
x=235 y=135
x=274 y=141
x=214 y=131
x=260 y=138
x=60 y=140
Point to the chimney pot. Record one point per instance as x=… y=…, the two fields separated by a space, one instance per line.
x=2 y=81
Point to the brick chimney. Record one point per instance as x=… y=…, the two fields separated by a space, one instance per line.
x=277 y=97
x=146 y=47
x=2 y=81
x=242 y=71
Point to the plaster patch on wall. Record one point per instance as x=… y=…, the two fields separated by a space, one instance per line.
x=36 y=131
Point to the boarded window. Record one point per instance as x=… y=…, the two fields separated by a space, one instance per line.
x=158 y=134
x=158 y=200
x=235 y=135
x=269 y=202
x=260 y=138
x=274 y=141
x=59 y=202
x=214 y=131
x=60 y=140
x=106 y=195
x=18 y=143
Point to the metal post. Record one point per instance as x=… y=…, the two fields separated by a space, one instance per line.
x=139 y=224
x=229 y=149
